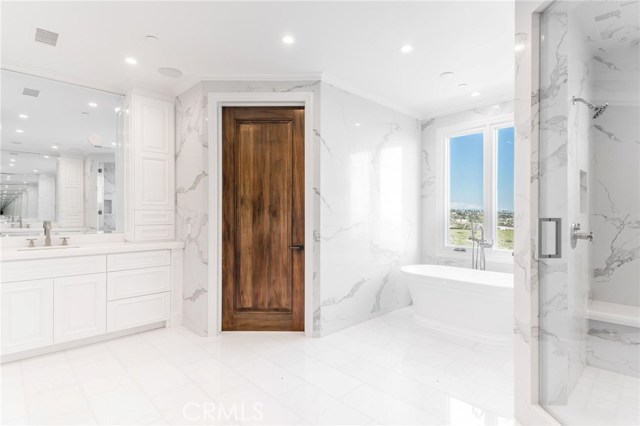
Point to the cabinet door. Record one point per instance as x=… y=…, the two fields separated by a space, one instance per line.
x=80 y=307
x=154 y=160
x=27 y=315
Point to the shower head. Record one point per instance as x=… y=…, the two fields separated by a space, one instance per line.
x=599 y=109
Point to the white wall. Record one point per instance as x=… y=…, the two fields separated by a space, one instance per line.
x=370 y=221
x=356 y=254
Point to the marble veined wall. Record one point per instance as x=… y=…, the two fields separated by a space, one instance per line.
x=369 y=208
x=192 y=216
x=365 y=195
x=614 y=197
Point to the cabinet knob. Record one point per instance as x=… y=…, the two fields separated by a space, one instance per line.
x=31 y=242
x=65 y=240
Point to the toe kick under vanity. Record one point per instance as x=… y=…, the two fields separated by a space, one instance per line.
x=56 y=299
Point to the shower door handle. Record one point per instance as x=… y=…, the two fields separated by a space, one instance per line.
x=549 y=238
x=297 y=247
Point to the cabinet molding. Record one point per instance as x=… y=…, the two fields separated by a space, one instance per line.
x=79 y=307
x=27 y=315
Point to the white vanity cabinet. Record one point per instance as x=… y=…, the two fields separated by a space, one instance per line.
x=27 y=315
x=49 y=303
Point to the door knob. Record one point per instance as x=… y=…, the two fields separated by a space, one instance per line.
x=298 y=247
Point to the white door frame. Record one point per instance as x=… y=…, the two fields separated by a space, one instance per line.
x=215 y=102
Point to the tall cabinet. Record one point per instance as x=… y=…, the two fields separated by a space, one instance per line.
x=149 y=168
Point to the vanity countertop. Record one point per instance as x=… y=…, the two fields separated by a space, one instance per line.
x=14 y=253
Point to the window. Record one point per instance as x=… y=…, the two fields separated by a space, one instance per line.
x=478 y=185
x=466 y=194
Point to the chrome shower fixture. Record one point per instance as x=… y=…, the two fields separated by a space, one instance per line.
x=599 y=109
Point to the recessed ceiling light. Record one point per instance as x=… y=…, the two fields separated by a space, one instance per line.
x=23 y=116
x=11 y=164
x=131 y=61
x=519 y=47
x=170 y=72
x=446 y=74
x=45 y=156
x=93 y=104
x=357 y=124
x=406 y=48
x=19 y=131
x=462 y=85
x=474 y=94
x=54 y=146
x=24 y=182
x=35 y=170
x=12 y=159
x=288 y=40
x=117 y=109
x=113 y=143
x=496 y=106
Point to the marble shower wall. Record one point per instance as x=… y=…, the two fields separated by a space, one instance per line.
x=614 y=198
x=533 y=94
x=369 y=208
x=366 y=202
x=429 y=181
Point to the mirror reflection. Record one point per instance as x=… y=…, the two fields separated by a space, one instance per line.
x=61 y=157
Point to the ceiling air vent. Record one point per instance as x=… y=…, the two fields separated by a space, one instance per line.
x=46 y=37
x=30 y=92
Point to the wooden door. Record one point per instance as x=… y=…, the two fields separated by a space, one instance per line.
x=263 y=218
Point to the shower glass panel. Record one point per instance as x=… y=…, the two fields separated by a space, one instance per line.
x=589 y=177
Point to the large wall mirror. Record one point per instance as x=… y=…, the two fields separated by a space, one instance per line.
x=61 y=157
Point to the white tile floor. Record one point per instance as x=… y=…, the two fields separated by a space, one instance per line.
x=602 y=397
x=384 y=371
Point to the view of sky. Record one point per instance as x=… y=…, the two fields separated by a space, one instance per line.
x=466 y=169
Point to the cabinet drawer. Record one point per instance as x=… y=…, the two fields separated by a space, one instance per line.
x=154 y=232
x=137 y=311
x=22 y=270
x=138 y=282
x=154 y=217
x=144 y=259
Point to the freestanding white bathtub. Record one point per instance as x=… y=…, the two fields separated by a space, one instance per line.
x=469 y=303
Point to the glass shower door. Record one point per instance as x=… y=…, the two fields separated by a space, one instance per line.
x=589 y=210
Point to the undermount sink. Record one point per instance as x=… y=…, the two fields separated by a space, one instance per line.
x=46 y=248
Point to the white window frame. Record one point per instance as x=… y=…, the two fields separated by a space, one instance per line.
x=489 y=128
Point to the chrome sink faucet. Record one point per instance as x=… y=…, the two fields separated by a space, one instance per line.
x=47 y=233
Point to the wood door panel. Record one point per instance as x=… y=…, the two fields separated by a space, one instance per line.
x=263 y=215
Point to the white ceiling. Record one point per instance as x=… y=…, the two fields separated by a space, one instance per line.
x=354 y=44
